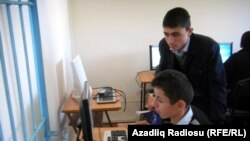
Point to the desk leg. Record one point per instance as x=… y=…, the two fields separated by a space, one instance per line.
x=107 y=115
x=144 y=96
x=72 y=122
x=141 y=106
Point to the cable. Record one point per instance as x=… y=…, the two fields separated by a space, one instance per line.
x=124 y=97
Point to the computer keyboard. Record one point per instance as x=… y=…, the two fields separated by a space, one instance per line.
x=118 y=132
x=116 y=135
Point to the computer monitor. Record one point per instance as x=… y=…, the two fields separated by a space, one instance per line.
x=226 y=50
x=79 y=77
x=87 y=124
x=154 y=56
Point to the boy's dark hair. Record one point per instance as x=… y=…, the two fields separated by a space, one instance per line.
x=245 y=40
x=177 y=17
x=175 y=85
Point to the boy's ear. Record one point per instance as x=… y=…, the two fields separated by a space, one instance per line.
x=181 y=104
x=190 y=31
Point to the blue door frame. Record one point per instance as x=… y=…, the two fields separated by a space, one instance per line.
x=40 y=129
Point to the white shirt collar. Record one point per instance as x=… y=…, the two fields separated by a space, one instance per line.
x=187 y=117
x=184 y=50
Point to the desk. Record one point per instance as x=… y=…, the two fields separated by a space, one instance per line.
x=96 y=135
x=144 y=77
x=71 y=107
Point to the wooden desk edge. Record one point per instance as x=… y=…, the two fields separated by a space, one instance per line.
x=72 y=106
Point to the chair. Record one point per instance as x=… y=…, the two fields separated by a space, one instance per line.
x=239 y=113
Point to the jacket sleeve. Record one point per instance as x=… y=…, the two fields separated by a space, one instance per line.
x=217 y=85
x=162 y=51
x=230 y=68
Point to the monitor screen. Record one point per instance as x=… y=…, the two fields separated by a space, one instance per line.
x=226 y=50
x=86 y=113
x=79 y=76
x=154 y=56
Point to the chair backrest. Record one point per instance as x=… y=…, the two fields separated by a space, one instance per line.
x=241 y=96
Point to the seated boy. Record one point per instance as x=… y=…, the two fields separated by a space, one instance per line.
x=173 y=96
x=172 y=102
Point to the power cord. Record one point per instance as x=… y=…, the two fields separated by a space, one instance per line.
x=123 y=96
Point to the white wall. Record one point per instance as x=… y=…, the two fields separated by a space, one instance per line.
x=112 y=36
x=56 y=46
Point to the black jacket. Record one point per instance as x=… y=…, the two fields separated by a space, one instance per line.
x=204 y=68
x=237 y=68
x=198 y=118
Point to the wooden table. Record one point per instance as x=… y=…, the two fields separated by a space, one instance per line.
x=71 y=107
x=144 y=78
x=96 y=135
